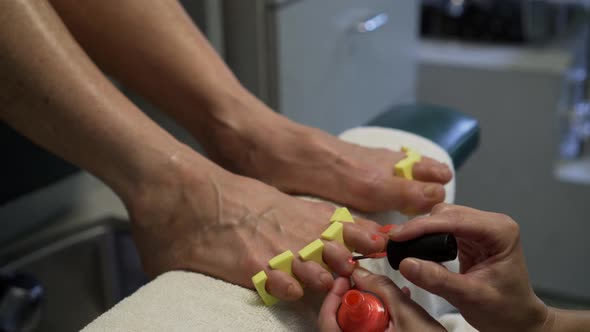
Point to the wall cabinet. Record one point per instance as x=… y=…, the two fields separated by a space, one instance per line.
x=332 y=64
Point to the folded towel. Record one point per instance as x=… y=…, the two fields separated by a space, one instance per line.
x=185 y=301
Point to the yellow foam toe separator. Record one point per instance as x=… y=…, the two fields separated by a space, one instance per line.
x=259 y=281
x=313 y=252
x=342 y=215
x=283 y=262
x=403 y=168
x=334 y=233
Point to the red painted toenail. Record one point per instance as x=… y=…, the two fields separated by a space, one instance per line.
x=375 y=237
x=385 y=229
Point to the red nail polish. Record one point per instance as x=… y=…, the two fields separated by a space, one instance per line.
x=375 y=237
x=362 y=311
x=385 y=229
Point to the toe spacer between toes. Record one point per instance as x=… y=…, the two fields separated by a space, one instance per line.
x=335 y=233
x=259 y=281
x=314 y=252
x=342 y=215
x=403 y=168
x=283 y=262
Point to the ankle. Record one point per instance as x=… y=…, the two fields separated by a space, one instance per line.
x=181 y=168
x=550 y=321
x=542 y=317
x=238 y=125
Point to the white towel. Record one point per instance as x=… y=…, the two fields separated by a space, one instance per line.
x=184 y=301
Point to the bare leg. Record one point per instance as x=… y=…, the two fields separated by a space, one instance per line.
x=153 y=47
x=187 y=213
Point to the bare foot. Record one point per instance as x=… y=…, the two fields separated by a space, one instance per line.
x=229 y=226
x=259 y=143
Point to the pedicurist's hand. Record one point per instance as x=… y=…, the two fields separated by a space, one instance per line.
x=405 y=314
x=229 y=226
x=492 y=291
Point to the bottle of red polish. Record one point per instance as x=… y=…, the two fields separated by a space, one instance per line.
x=362 y=311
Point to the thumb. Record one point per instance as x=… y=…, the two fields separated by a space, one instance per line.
x=436 y=279
x=406 y=315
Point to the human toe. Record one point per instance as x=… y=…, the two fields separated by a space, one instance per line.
x=313 y=275
x=429 y=170
x=283 y=286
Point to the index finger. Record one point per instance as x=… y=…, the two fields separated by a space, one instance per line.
x=461 y=221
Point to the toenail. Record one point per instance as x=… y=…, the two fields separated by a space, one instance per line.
x=375 y=237
x=396 y=230
x=291 y=291
x=430 y=190
x=385 y=229
x=445 y=173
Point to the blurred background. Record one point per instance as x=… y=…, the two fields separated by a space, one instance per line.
x=519 y=67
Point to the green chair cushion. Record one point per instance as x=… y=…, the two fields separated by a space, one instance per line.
x=454 y=131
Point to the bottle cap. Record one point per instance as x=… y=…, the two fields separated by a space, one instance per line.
x=355 y=305
x=438 y=247
x=362 y=311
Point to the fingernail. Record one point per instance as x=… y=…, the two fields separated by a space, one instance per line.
x=407 y=291
x=375 y=237
x=396 y=230
x=430 y=190
x=385 y=229
x=414 y=268
x=361 y=273
x=351 y=261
